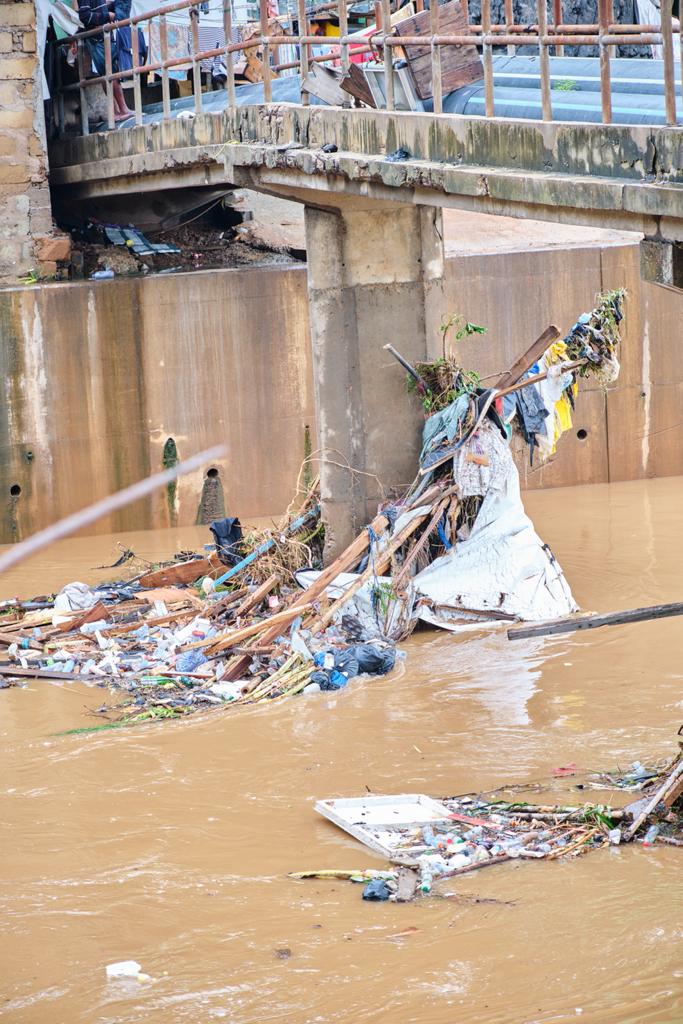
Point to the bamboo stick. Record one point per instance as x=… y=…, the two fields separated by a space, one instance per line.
x=564 y=850
x=659 y=795
x=419 y=545
x=382 y=561
x=255 y=599
x=226 y=640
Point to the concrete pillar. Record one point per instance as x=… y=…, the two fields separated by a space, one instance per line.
x=372 y=271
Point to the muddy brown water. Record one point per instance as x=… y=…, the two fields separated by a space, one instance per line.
x=170 y=843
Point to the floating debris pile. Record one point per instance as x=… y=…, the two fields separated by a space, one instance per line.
x=259 y=619
x=428 y=840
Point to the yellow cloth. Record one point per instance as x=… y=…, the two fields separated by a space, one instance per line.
x=563 y=410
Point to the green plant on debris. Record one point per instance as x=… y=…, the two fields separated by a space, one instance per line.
x=445 y=379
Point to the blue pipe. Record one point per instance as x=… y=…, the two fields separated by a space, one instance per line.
x=267 y=545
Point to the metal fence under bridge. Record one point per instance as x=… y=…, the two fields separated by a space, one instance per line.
x=435 y=45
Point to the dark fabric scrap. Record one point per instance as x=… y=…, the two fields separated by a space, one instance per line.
x=531 y=412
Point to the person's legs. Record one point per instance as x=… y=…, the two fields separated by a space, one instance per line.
x=121 y=108
x=122 y=10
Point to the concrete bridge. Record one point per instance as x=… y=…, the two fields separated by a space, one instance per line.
x=374 y=236
x=374 y=228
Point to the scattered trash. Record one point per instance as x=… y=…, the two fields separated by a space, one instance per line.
x=135 y=240
x=124 y=969
x=564 y=770
x=398 y=155
x=258 y=618
x=428 y=840
x=377 y=890
x=102 y=275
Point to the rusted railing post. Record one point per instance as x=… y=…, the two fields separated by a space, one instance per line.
x=229 y=65
x=344 y=49
x=487 y=57
x=109 y=85
x=557 y=20
x=265 y=51
x=388 y=55
x=303 y=49
x=437 y=91
x=509 y=22
x=604 y=21
x=196 y=63
x=163 y=53
x=669 y=67
x=137 y=93
x=544 y=60
x=81 y=49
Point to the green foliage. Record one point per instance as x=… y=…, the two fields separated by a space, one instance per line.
x=382 y=595
x=597 y=815
x=565 y=85
x=32 y=277
x=465 y=328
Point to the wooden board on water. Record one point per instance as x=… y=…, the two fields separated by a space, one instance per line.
x=183 y=572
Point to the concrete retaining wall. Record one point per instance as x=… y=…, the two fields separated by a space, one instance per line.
x=98 y=377
x=635 y=429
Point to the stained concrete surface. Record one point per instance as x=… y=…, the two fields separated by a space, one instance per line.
x=280 y=223
x=98 y=376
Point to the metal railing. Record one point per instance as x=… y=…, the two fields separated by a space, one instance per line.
x=606 y=35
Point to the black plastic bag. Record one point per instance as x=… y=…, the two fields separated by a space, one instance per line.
x=227 y=535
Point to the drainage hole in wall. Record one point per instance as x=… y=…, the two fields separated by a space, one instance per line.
x=582 y=434
x=15 y=490
x=212 y=473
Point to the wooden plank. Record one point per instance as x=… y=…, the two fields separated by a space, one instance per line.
x=377 y=567
x=19 y=638
x=44 y=673
x=663 y=791
x=574 y=365
x=259 y=595
x=460 y=65
x=673 y=794
x=160 y=620
x=98 y=611
x=355 y=84
x=574 y=623
x=325 y=84
x=183 y=572
x=528 y=358
x=225 y=640
x=170 y=595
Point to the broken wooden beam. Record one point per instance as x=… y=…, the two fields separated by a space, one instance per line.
x=528 y=358
x=663 y=791
x=574 y=623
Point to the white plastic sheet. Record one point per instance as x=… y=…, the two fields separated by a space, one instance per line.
x=502 y=567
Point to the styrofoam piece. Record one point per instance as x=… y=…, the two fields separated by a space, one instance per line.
x=124 y=969
x=379 y=822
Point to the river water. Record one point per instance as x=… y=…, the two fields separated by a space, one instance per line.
x=170 y=843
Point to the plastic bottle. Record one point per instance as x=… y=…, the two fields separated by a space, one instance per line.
x=651 y=835
x=428 y=836
x=102 y=275
x=459 y=860
x=426 y=874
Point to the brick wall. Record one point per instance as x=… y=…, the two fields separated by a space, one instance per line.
x=26 y=231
